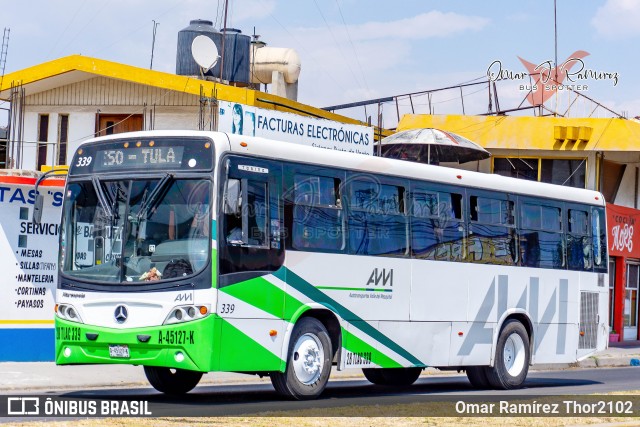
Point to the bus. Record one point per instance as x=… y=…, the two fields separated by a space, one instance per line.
x=189 y=252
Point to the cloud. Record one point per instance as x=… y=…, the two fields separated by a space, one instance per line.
x=618 y=19
x=251 y=10
x=426 y=25
x=359 y=59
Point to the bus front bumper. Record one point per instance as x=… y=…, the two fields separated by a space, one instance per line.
x=188 y=345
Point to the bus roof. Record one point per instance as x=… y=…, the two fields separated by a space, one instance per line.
x=280 y=150
x=406 y=169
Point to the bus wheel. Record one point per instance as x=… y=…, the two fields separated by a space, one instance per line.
x=308 y=362
x=396 y=377
x=478 y=377
x=172 y=381
x=511 y=364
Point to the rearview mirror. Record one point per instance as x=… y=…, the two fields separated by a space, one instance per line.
x=37 y=208
x=232 y=197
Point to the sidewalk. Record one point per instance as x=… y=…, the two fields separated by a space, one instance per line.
x=43 y=376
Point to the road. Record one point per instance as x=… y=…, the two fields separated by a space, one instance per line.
x=246 y=399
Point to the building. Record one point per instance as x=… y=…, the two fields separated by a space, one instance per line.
x=59 y=104
x=600 y=154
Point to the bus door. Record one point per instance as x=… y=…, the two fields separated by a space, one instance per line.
x=249 y=238
x=250 y=247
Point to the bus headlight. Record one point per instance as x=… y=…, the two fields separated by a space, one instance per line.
x=68 y=312
x=186 y=313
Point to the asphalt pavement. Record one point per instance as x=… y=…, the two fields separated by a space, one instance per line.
x=41 y=376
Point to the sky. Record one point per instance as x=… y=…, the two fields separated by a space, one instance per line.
x=354 y=50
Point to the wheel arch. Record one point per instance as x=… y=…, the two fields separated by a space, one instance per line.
x=514 y=314
x=329 y=319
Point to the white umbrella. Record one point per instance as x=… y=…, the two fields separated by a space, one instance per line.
x=432 y=146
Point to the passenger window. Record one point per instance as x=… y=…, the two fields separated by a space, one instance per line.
x=539 y=217
x=437 y=230
x=377 y=224
x=491 y=211
x=492 y=235
x=317 y=191
x=317 y=214
x=578 y=222
x=541 y=241
x=579 y=242
x=599 y=233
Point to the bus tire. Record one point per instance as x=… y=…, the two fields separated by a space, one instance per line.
x=308 y=362
x=511 y=363
x=172 y=381
x=395 y=377
x=478 y=377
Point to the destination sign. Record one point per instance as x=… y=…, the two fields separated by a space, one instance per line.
x=139 y=157
x=145 y=154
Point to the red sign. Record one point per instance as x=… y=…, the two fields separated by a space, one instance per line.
x=624 y=238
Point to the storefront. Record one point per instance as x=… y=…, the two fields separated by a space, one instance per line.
x=624 y=271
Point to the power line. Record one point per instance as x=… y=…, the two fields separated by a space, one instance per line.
x=346 y=61
x=301 y=45
x=73 y=18
x=104 y=5
x=355 y=51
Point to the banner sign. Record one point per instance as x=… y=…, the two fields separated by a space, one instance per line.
x=29 y=264
x=252 y=121
x=624 y=239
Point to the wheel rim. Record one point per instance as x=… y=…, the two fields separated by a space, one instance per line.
x=308 y=359
x=513 y=355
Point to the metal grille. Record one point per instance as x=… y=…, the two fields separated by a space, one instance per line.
x=588 y=320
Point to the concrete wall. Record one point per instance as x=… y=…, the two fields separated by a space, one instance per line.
x=82 y=125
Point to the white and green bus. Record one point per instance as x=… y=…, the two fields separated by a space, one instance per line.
x=191 y=252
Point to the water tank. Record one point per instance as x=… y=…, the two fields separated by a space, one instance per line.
x=265 y=60
x=236 y=56
x=185 y=65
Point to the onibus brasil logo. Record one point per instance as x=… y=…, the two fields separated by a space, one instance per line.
x=543 y=80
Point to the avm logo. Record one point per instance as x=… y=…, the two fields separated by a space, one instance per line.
x=381 y=277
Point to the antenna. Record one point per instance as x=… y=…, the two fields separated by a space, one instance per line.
x=153 y=41
x=204 y=52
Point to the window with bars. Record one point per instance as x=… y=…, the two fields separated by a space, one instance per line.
x=43 y=137
x=63 y=138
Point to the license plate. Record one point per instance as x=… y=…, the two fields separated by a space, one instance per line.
x=119 y=351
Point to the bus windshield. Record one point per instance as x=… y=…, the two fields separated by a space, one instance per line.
x=135 y=231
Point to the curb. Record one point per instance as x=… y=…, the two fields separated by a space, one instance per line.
x=591 y=362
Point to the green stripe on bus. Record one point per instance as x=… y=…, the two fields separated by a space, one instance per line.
x=214 y=268
x=339 y=288
x=314 y=294
x=240 y=352
x=266 y=296
x=356 y=345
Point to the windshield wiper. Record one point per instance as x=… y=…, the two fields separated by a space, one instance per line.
x=103 y=198
x=151 y=202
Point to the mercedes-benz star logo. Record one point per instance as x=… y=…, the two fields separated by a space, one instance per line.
x=120 y=314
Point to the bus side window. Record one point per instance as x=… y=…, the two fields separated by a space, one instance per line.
x=579 y=242
x=437 y=231
x=492 y=235
x=599 y=235
x=541 y=241
x=318 y=219
x=377 y=220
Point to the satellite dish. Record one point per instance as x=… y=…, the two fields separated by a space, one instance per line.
x=204 y=52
